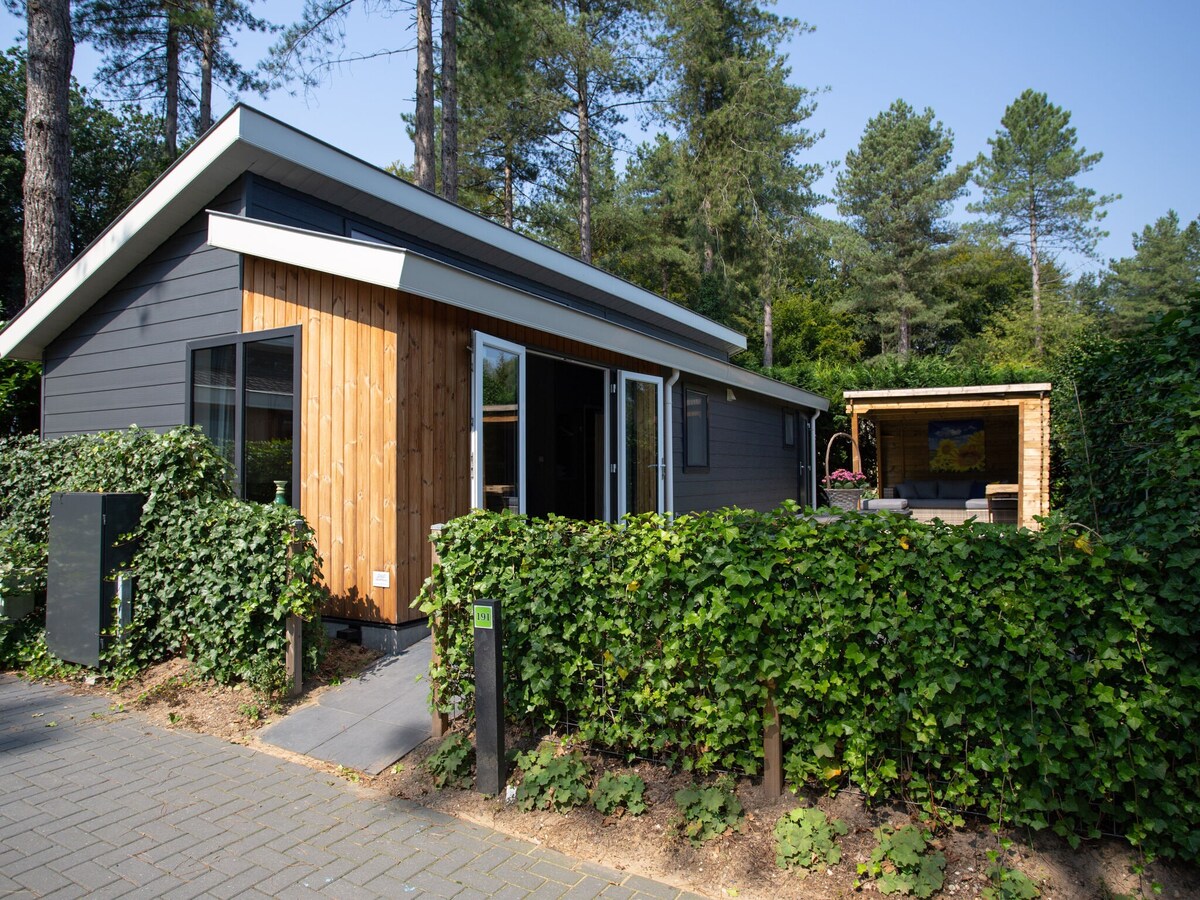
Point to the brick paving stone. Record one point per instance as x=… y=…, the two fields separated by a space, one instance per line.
x=650 y=888
x=183 y=815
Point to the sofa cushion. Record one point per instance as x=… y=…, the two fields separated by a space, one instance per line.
x=978 y=490
x=954 y=490
x=925 y=490
x=904 y=490
x=977 y=503
x=936 y=503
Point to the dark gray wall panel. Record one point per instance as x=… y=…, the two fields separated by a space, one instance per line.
x=123 y=361
x=748 y=464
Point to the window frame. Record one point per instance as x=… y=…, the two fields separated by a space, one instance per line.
x=239 y=341
x=789 y=419
x=688 y=466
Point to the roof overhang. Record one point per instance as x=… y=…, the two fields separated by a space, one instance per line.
x=246 y=140
x=404 y=270
x=907 y=401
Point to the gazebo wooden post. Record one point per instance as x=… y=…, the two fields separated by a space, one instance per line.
x=855 y=456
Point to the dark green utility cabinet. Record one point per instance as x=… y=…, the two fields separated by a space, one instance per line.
x=87 y=549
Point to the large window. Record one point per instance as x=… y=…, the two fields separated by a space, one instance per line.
x=242 y=393
x=499 y=431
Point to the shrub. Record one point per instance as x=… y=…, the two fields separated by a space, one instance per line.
x=617 y=794
x=450 y=763
x=708 y=812
x=905 y=863
x=1040 y=677
x=550 y=780
x=807 y=838
x=216 y=578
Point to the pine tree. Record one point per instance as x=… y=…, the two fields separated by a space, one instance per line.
x=727 y=92
x=1163 y=273
x=47 y=189
x=1030 y=195
x=169 y=54
x=896 y=191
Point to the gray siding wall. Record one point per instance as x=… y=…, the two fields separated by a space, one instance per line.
x=748 y=464
x=123 y=362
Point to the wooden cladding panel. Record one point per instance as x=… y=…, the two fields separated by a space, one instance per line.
x=348 y=423
x=385 y=438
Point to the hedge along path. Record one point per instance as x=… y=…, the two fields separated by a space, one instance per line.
x=1022 y=674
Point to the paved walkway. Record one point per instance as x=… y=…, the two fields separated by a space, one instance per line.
x=100 y=804
x=368 y=722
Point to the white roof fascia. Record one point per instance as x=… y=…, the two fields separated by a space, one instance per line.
x=973 y=390
x=403 y=270
x=281 y=140
x=110 y=257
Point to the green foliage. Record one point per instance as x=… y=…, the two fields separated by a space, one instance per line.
x=450 y=764
x=1162 y=274
x=896 y=191
x=708 y=812
x=550 y=780
x=216 y=580
x=905 y=863
x=1007 y=884
x=1043 y=678
x=20 y=396
x=614 y=793
x=807 y=838
x=1029 y=180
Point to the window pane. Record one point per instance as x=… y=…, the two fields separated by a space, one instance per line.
x=641 y=446
x=267 y=455
x=214 y=399
x=695 y=428
x=501 y=430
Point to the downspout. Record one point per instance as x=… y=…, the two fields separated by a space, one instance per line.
x=669 y=440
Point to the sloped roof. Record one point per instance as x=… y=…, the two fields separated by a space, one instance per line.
x=246 y=140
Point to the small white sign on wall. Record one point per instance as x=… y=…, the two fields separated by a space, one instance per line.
x=381 y=579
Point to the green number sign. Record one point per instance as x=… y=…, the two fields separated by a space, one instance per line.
x=483 y=617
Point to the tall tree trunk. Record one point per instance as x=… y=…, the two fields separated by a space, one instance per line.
x=904 y=344
x=768 y=333
x=450 y=100
x=424 y=170
x=47 y=198
x=708 y=262
x=171 y=123
x=208 y=47
x=508 y=192
x=1035 y=266
x=585 y=173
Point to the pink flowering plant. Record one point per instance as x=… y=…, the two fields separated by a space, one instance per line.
x=844 y=478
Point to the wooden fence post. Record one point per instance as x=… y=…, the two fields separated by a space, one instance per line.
x=441 y=720
x=772 y=749
x=295 y=629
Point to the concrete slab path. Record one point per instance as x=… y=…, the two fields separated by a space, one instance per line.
x=99 y=803
x=368 y=722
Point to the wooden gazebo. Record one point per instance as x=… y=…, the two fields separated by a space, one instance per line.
x=990 y=441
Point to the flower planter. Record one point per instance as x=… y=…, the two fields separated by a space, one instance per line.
x=844 y=498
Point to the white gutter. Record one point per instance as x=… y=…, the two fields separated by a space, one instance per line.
x=668 y=404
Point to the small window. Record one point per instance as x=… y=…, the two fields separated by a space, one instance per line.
x=695 y=429
x=789 y=428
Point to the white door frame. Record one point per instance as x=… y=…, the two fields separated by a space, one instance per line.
x=624 y=378
x=481 y=341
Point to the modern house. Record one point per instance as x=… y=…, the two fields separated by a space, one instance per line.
x=397 y=360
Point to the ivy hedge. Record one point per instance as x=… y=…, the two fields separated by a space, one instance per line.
x=1040 y=677
x=215 y=577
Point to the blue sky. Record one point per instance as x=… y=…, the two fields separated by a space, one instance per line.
x=1124 y=70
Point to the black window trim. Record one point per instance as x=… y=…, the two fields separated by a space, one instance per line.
x=790 y=415
x=240 y=340
x=689 y=388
